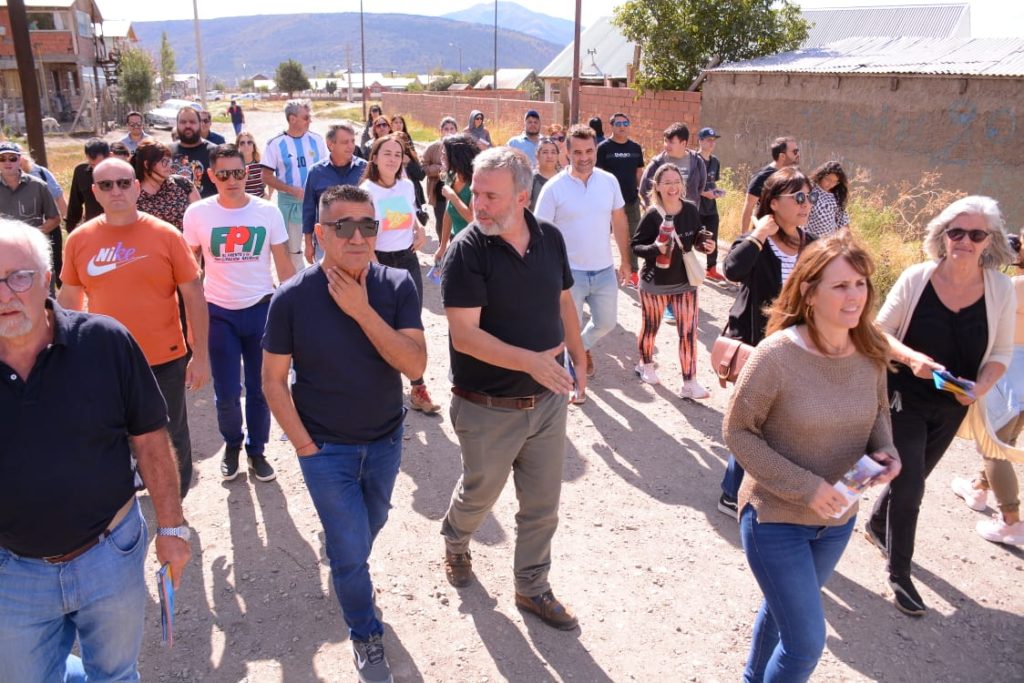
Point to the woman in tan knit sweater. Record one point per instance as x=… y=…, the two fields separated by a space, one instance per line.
x=809 y=403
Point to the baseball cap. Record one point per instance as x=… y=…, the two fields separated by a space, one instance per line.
x=707 y=133
x=10 y=148
x=531 y=113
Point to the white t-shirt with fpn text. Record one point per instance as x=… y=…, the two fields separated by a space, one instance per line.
x=236 y=249
x=583 y=212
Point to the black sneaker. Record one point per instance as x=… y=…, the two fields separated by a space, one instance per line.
x=261 y=469
x=727 y=505
x=371 y=664
x=908 y=600
x=229 y=463
x=877 y=539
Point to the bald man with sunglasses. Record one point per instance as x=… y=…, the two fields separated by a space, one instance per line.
x=352 y=328
x=129 y=264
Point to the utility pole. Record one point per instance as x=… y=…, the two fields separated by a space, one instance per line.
x=199 y=53
x=362 y=54
x=574 y=96
x=348 y=69
x=495 y=44
x=27 y=76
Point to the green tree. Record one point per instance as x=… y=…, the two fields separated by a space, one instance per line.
x=135 y=78
x=291 y=77
x=680 y=38
x=167 y=67
x=331 y=87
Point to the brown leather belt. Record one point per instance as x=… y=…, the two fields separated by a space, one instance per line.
x=518 y=403
x=67 y=557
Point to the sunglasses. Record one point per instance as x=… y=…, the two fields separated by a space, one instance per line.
x=382 y=124
x=802 y=197
x=108 y=185
x=977 y=236
x=345 y=228
x=135 y=125
x=205 y=120
x=8 y=158
x=19 y=281
x=246 y=142
x=621 y=124
x=236 y=173
x=558 y=138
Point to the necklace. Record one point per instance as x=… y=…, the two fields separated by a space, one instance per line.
x=831 y=350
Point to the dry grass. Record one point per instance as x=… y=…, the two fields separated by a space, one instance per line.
x=890 y=229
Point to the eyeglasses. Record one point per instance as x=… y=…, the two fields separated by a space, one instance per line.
x=236 y=173
x=558 y=138
x=164 y=161
x=620 y=124
x=345 y=228
x=8 y=158
x=108 y=185
x=135 y=125
x=669 y=183
x=19 y=281
x=977 y=236
x=802 y=197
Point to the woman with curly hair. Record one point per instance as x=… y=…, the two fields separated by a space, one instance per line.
x=830 y=190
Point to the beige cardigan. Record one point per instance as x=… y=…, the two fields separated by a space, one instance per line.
x=1000 y=310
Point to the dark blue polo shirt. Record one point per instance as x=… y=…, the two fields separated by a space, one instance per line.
x=322 y=175
x=519 y=298
x=65 y=465
x=344 y=391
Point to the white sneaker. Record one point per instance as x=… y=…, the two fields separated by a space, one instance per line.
x=647 y=373
x=976 y=499
x=998 y=531
x=694 y=390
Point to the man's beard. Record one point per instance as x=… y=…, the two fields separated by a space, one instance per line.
x=18 y=326
x=499 y=225
x=189 y=139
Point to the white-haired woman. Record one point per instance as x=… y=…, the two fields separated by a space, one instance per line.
x=954 y=311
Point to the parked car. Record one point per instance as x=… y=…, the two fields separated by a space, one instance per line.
x=166 y=115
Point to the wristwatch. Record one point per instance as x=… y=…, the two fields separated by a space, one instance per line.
x=182 y=532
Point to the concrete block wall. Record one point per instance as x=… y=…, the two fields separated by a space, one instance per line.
x=431 y=108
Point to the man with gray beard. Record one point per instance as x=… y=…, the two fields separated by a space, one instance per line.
x=506 y=292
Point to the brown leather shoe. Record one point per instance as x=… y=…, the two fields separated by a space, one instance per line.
x=549 y=609
x=458 y=568
x=591 y=370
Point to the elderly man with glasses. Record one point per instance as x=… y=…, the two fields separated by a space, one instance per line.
x=287 y=160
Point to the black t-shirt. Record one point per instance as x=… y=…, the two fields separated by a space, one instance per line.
x=192 y=163
x=955 y=340
x=758 y=180
x=709 y=207
x=216 y=138
x=345 y=392
x=65 y=465
x=622 y=160
x=519 y=298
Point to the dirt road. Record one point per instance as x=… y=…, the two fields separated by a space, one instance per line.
x=654 y=571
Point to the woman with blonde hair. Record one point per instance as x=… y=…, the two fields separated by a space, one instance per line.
x=823 y=362
x=954 y=312
x=254 y=184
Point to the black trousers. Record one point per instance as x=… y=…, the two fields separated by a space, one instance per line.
x=921 y=431
x=57 y=245
x=405 y=259
x=710 y=223
x=170 y=377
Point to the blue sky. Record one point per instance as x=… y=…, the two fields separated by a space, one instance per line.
x=989 y=18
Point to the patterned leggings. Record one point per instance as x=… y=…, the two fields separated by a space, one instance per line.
x=685 y=308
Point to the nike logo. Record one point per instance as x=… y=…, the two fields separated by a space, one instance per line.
x=360 y=661
x=95 y=269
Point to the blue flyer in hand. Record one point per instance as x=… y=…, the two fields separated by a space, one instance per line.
x=945 y=381
x=165 y=587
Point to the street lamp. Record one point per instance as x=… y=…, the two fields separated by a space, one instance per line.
x=459 y=48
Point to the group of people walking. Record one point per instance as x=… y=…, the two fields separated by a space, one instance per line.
x=316 y=304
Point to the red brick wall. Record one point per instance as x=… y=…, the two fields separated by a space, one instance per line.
x=649 y=114
x=503 y=94
x=430 y=109
x=45 y=43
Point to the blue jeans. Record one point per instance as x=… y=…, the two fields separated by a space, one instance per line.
x=732 y=478
x=235 y=337
x=351 y=489
x=791 y=563
x=100 y=596
x=600 y=289
x=237 y=127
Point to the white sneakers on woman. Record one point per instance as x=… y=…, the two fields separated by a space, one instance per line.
x=693 y=390
x=976 y=499
x=998 y=531
x=647 y=373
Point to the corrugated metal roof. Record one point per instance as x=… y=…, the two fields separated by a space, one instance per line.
x=614 y=52
x=508 y=79
x=933 y=21
x=950 y=56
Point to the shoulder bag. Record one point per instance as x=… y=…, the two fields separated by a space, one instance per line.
x=728 y=357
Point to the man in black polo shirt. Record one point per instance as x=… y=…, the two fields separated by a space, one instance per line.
x=352 y=328
x=785 y=152
x=82 y=203
x=506 y=292
x=624 y=159
x=72 y=536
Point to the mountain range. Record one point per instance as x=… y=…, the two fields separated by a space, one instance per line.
x=512 y=15
x=235 y=47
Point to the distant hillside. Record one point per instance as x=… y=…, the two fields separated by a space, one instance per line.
x=512 y=15
x=240 y=46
